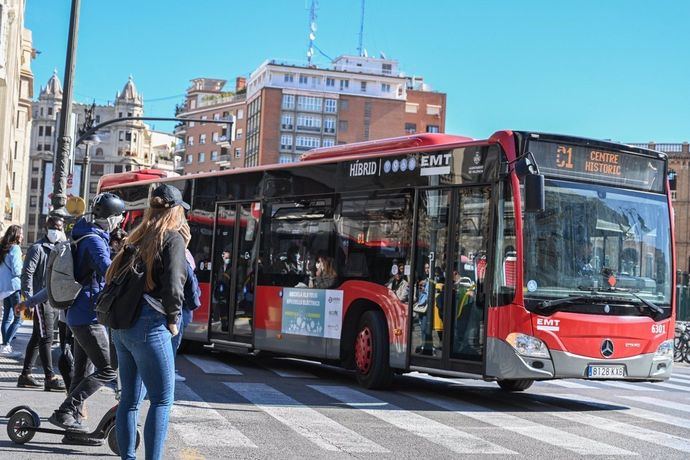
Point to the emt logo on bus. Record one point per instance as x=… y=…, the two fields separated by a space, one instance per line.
x=435 y=164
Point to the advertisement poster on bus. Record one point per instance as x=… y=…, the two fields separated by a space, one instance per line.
x=312 y=312
x=73 y=185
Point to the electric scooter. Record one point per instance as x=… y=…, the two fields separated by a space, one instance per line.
x=24 y=423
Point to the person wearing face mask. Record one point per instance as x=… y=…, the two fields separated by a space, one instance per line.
x=33 y=279
x=91 y=344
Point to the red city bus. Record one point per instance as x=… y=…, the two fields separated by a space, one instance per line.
x=521 y=257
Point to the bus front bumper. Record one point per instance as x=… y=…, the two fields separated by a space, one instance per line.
x=503 y=362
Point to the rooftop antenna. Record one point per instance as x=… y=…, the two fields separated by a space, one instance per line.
x=360 y=49
x=312 y=30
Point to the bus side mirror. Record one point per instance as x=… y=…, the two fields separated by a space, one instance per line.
x=534 y=193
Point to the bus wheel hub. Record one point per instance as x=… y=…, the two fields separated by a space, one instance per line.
x=363 y=350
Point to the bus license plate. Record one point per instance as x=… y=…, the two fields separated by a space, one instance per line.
x=606 y=372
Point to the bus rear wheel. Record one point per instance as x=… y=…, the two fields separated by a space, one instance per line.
x=371 y=351
x=515 y=385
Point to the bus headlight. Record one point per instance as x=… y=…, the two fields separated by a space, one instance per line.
x=665 y=349
x=526 y=345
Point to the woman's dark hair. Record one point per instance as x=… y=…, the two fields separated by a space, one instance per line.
x=12 y=236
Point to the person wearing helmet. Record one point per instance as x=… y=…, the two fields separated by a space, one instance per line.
x=91 y=345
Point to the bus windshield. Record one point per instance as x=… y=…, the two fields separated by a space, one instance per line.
x=592 y=239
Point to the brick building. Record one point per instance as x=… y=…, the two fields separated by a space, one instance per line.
x=208 y=146
x=679 y=175
x=288 y=109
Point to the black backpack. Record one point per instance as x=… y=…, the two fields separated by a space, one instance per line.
x=118 y=305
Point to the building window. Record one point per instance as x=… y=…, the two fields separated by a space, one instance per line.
x=303 y=143
x=204 y=117
x=98 y=119
x=96 y=169
x=202 y=157
x=47 y=147
x=117 y=168
x=330 y=105
x=50 y=111
x=288 y=101
x=121 y=136
x=344 y=84
x=40 y=130
x=214 y=137
x=329 y=125
x=14 y=180
x=238 y=134
x=238 y=152
x=434 y=110
x=410 y=128
x=240 y=114
x=34 y=183
x=287 y=121
x=128 y=136
x=216 y=116
x=202 y=139
x=386 y=69
x=33 y=201
x=39 y=147
x=303 y=79
x=432 y=129
x=385 y=88
x=190 y=140
x=328 y=142
x=214 y=155
x=93 y=187
x=344 y=104
x=330 y=81
x=190 y=159
x=289 y=77
x=286 y=142
x=99 y=152
x=309 y=122
x=129 y=114
x=191 y=124
x=342 y=126
x=363 y=86
x=411 y=107
x=309 y=103
x=119 y=115
x=673 y=195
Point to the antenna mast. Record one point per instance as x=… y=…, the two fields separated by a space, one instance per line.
x=312 y=30
x=360 y=50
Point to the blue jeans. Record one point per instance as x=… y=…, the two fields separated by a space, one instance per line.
x=185 y=319
x=145 y=359
x=10 y=321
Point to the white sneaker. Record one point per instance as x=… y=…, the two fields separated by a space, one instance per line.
x=6 y=349
x=179 y=378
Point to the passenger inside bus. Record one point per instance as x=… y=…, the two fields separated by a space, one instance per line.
x=325 y=275
x=398 y=282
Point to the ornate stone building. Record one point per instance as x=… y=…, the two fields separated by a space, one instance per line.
x=120 y=147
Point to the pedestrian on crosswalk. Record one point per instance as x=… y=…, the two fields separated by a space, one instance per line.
x=144 y=350
x=10 y=272
x=33 y=280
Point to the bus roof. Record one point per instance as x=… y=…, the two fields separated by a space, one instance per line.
x=111 y=180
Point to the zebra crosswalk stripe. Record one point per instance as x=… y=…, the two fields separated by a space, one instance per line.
x=457 y=441
x=632 y=411
x=670 y=386
x=660 y=403
x=628 y=386
x=313 y=425
x=196 y=422
x=681 y=377
x=212 y=366
x=625 y=429
x=291 y=373
x=524 y=427
x=569 y=384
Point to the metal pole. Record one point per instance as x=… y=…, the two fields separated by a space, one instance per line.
x=59 y=198
x=85 y=175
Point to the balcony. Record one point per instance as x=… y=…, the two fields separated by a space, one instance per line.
x=329 y=130
x=311 y=129
x=303 y=148
x=287 y=126
x=223 y=141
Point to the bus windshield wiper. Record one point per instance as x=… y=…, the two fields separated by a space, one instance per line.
x=546 y=304
x=647 y=303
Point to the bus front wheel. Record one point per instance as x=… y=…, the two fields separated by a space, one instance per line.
x=515 y=385
x=371 y=351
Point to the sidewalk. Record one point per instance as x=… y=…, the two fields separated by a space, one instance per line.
x=43 y=445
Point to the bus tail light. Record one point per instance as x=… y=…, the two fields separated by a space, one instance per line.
x=526 y=345
x=665 y=350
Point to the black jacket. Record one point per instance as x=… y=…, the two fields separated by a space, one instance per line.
x=170 y=275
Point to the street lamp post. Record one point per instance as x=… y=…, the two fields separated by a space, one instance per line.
x=59 y=197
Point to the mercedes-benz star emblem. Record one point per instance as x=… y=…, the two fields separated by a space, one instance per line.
x=607 y=348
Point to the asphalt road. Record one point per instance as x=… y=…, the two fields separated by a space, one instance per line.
x=237 y=407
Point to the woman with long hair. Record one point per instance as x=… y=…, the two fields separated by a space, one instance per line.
x=325 y=275
x=10 y=283
x=144 y=350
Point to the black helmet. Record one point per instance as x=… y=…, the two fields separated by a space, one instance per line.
x=106 y=205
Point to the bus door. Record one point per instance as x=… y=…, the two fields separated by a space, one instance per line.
x=451 y=260
x=235 y=249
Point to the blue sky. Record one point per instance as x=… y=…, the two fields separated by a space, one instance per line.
x=615 y=69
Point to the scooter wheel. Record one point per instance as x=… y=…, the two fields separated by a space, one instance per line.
x=17 y=427
x=112 y=440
